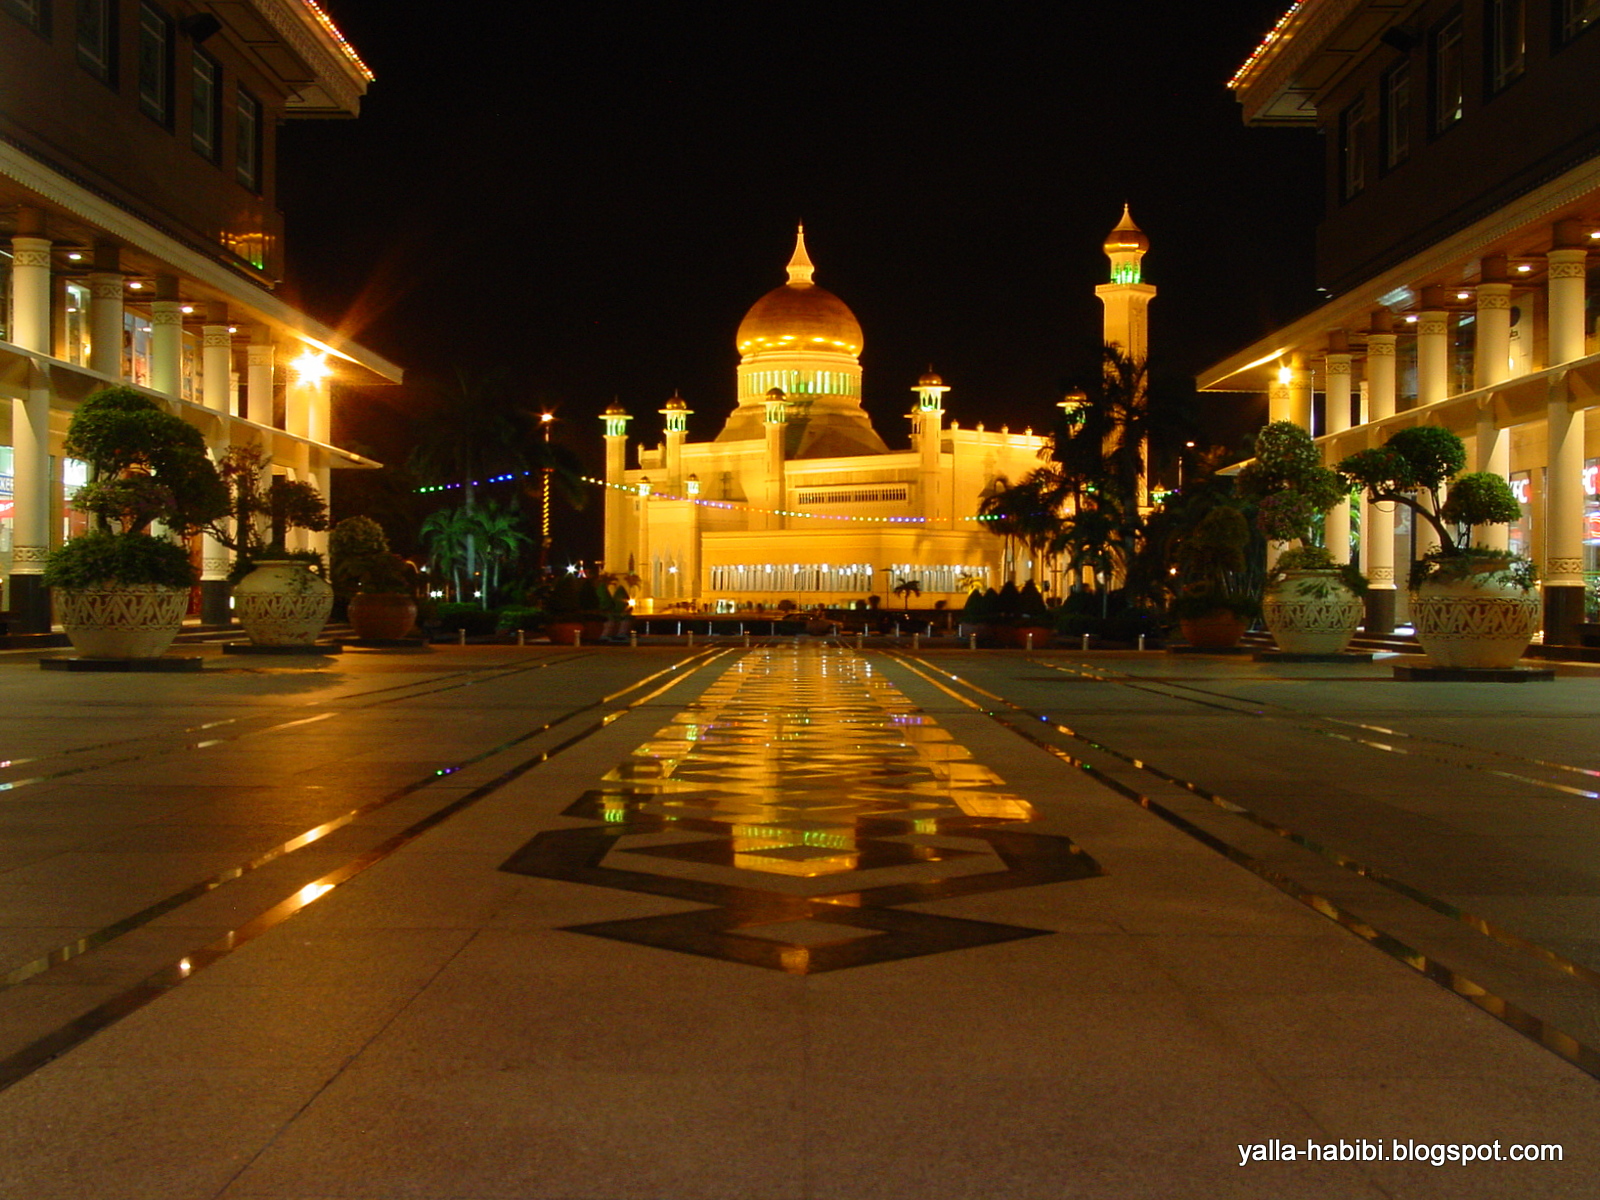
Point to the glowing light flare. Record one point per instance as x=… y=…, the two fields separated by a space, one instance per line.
x=311 y=368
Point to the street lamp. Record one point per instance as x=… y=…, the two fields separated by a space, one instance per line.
x=1186 y=446
x=545 y=421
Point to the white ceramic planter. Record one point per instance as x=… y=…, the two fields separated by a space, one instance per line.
x=282 y=603
x=1311 y=612
x=1483 y=620
x=125 y=621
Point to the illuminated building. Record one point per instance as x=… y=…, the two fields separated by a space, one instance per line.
x=798 y=497
x=142 y=244
x=1463 y=203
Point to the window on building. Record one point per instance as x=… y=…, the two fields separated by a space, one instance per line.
x=205 y=93
x=155 y=63
x=1576 y=16
x=1508 y=41
x=1448 y=56
x=1353 y=149
x=1396 y=115
x=35 y=14
x=247 y=141
x=96 y=38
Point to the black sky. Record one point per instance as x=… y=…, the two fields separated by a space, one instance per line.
x=591 y=195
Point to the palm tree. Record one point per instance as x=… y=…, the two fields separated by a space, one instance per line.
x=447 y=533
x=496 y=530
x=907 y=588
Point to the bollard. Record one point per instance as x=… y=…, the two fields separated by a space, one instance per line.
x=859 y=637
x=916 y=641
x=461 y=637
x=577 y=637
x=633 y=638
x=691 y=636
x=1141 y=641
x=1086 y=641
x=522 y=638
x=747 y=641
x=1027 y=640
x=972 y=642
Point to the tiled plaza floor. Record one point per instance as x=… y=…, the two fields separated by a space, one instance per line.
x=794 y=922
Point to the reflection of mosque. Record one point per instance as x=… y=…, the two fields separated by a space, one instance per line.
x=798 y=497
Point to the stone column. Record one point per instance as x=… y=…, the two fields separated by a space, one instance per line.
x=1433 y=356
x=1299 y=385
x=1563 y=545
x=1337 y=404
x=1377 y=528
x=105 y=321
x=1279 y=406
x=693 y=589
x=216 y=369
x=166 y=339
x=30 y=427
x=258 y=378
x=1491 y=364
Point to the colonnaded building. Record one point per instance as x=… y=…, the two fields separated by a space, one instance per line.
x=798 y=497
x=138 y=166
x=1463 y=213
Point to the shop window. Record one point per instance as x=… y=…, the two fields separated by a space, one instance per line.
x=1521 y=531
x=77 y=325
x=1447 y=56
x=97 y=39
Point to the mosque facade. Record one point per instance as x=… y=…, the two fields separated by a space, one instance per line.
x=798 y=497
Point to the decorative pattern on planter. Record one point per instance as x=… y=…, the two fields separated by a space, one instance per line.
x=1476 y=622
x=130 y=621
x=282 y=603
x=1311 y=612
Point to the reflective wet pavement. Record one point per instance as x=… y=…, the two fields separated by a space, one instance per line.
x=791 y=922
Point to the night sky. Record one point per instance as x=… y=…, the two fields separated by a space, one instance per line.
x=591 y=195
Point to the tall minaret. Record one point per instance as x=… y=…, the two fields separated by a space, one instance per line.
x=1126 y=298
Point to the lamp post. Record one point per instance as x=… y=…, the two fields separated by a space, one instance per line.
x=545 y=420
x=1186 y=446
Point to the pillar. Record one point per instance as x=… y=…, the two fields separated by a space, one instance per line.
x=1377 y=519
x=1337 y=406
x=30 y=427
x=258 y=378
x=1563 y=544
x=216 y=370
x=1491 y=364
x=166 y=338
x=1279 y=406
x=106 y=286
x=1299 y=399
x=1433 y=356
x=693 y=589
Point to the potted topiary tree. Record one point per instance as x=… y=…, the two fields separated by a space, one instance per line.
x=1214 y=605
x=1472 y=606
x=279 y=595
x=379 y=587
x=121 y=591
x=1311 y=604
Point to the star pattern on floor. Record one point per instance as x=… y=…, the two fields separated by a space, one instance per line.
x=805 y=801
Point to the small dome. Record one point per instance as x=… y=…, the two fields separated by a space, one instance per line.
x=615 y=409
x=1127 y=237
x=929 y=379
x=676 y=404
x=775 y=393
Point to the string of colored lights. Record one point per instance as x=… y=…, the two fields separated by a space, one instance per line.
x=1266 y=44
x=731 y=505
x=332 y=31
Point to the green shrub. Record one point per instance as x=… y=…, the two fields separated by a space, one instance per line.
x=97 y=558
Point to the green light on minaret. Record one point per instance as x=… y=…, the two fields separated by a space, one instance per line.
x=1125 y=273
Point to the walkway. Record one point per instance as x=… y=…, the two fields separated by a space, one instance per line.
x=793 y=922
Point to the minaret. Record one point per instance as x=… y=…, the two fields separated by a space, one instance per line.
x=929 y=418
x=616 y=539
x=1126 y=297
x=677 y=413
x=777 y=416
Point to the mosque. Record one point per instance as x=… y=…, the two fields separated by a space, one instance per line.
x=798 y=497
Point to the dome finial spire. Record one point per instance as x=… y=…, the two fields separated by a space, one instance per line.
x=800 y=268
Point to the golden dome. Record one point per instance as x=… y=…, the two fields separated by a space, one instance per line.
x=799 y=316
x=676 y=404
x=615 y=409
x=1126 y=238
x=930 y=380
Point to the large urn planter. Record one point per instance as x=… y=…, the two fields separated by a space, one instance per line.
x=123 y=620
x=1219 y=629
x=1480 y=620
x=1311 y=612
x=282 y=603
x=382 y=616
